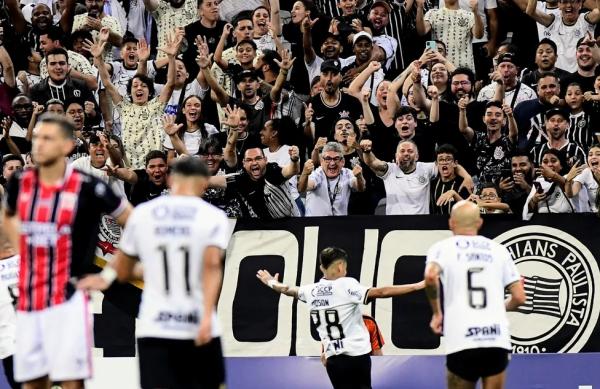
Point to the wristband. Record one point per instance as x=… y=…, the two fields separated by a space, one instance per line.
x=108 y=274
x=271 y=284
x=295 y=159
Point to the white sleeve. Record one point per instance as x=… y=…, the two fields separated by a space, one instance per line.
x=303 y=292
x=526 y=213
x=128 y=244
x=431 y=169
x=196 y=89
x=219 y=234
x=391 y=166
x=510 y=273
x=491 y=4
x=356 y=292
x=584 y=177
x=435 y=255
x=316 y=178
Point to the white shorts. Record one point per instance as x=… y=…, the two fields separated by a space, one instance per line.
x=55 y=342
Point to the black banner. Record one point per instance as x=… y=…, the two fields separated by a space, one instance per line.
x=556 y=255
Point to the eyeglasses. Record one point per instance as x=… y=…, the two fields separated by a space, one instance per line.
x=463 y=83
x=208 y=155
x=445 y=160
x=255 y=159
x=334 y=159
x=488 y=196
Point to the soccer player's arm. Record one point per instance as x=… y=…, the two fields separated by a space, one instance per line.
x=212 y=276
x=512 y=279
x=272 y=281
x=394 y=290
x=433 y=269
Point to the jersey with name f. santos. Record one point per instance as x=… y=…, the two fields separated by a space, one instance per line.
x=474 y=272
x=170 y=235
x=335 y=312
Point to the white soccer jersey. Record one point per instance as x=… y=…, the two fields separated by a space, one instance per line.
x=474 y=272
x=169 y=235
x=566 y=38
x=335 y=311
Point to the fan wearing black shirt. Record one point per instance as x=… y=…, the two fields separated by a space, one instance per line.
x=262 y=186
x=148 y=183
x=329 y=106
x=262 y=109
x=446 y=189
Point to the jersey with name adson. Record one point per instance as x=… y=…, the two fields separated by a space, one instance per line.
x=169 y=235
x=474 y=272
x=335 y=312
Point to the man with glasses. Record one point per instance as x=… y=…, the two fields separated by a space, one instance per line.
x=262 y=186
x=406 y=181
x=328 y=187
x=565 y=29
x=446 y=189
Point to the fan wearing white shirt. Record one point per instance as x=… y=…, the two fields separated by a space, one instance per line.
x=328 y=187
x=547 y=194
x=335 y=302
x=476 y=273
x=407 y=181
x=585 y=178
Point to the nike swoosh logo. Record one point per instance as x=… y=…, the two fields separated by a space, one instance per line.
x=320 y=117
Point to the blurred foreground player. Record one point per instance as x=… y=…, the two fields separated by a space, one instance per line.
x=175 y=244
x=51 y=216
x=335 y=311
x=475 y=272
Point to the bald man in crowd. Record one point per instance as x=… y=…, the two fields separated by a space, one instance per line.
x=475 y=272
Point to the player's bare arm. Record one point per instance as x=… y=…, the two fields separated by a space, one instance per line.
x=517 y=296
x=394 y=290
x=432 y=290
x=123 y=268
x=273 y=282
x=212 y=278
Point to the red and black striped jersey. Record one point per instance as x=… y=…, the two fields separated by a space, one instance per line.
x=59 y=230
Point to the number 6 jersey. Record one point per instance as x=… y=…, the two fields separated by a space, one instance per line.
x=335 y=311
x=475 y=272
x=169 y=235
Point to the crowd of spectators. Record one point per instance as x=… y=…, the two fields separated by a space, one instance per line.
x=316 y=107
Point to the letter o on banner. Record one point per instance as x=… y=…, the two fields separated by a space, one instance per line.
x=397 y=244
x=244 y=244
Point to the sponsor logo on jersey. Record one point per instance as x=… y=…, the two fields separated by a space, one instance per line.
x=558 y=272
x=178 y=317
x=322 y=290
x=355 y=293
x=483 y=331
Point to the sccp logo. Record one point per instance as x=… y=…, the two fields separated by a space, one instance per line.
x=559 y=274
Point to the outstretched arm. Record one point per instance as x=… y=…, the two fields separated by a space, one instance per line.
x=273 y=282
x=96 y=48
x=171 y=49
x=394 y=290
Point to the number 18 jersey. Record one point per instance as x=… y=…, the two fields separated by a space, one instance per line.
x=169 y=235
x=474 y=272
x=335 y=311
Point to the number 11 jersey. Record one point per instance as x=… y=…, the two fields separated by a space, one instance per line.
x=474 y=272
x=335 y=311
x=169 y=235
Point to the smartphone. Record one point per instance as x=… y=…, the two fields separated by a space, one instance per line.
x=538 y=187
x=431 y=45
x=506 y=173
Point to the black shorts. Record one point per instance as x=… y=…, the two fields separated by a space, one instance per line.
x=173 y=364
x=476 y=363
x=346 y=372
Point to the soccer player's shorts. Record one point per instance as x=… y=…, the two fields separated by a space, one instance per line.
x=476 y=363
x=7 y=330
x=180 y=364
x=55 y=342
x=349 y=372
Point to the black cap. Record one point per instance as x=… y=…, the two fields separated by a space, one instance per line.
x=331 y=65
x=246 y=73
x=507 y=57
x=556 y=111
